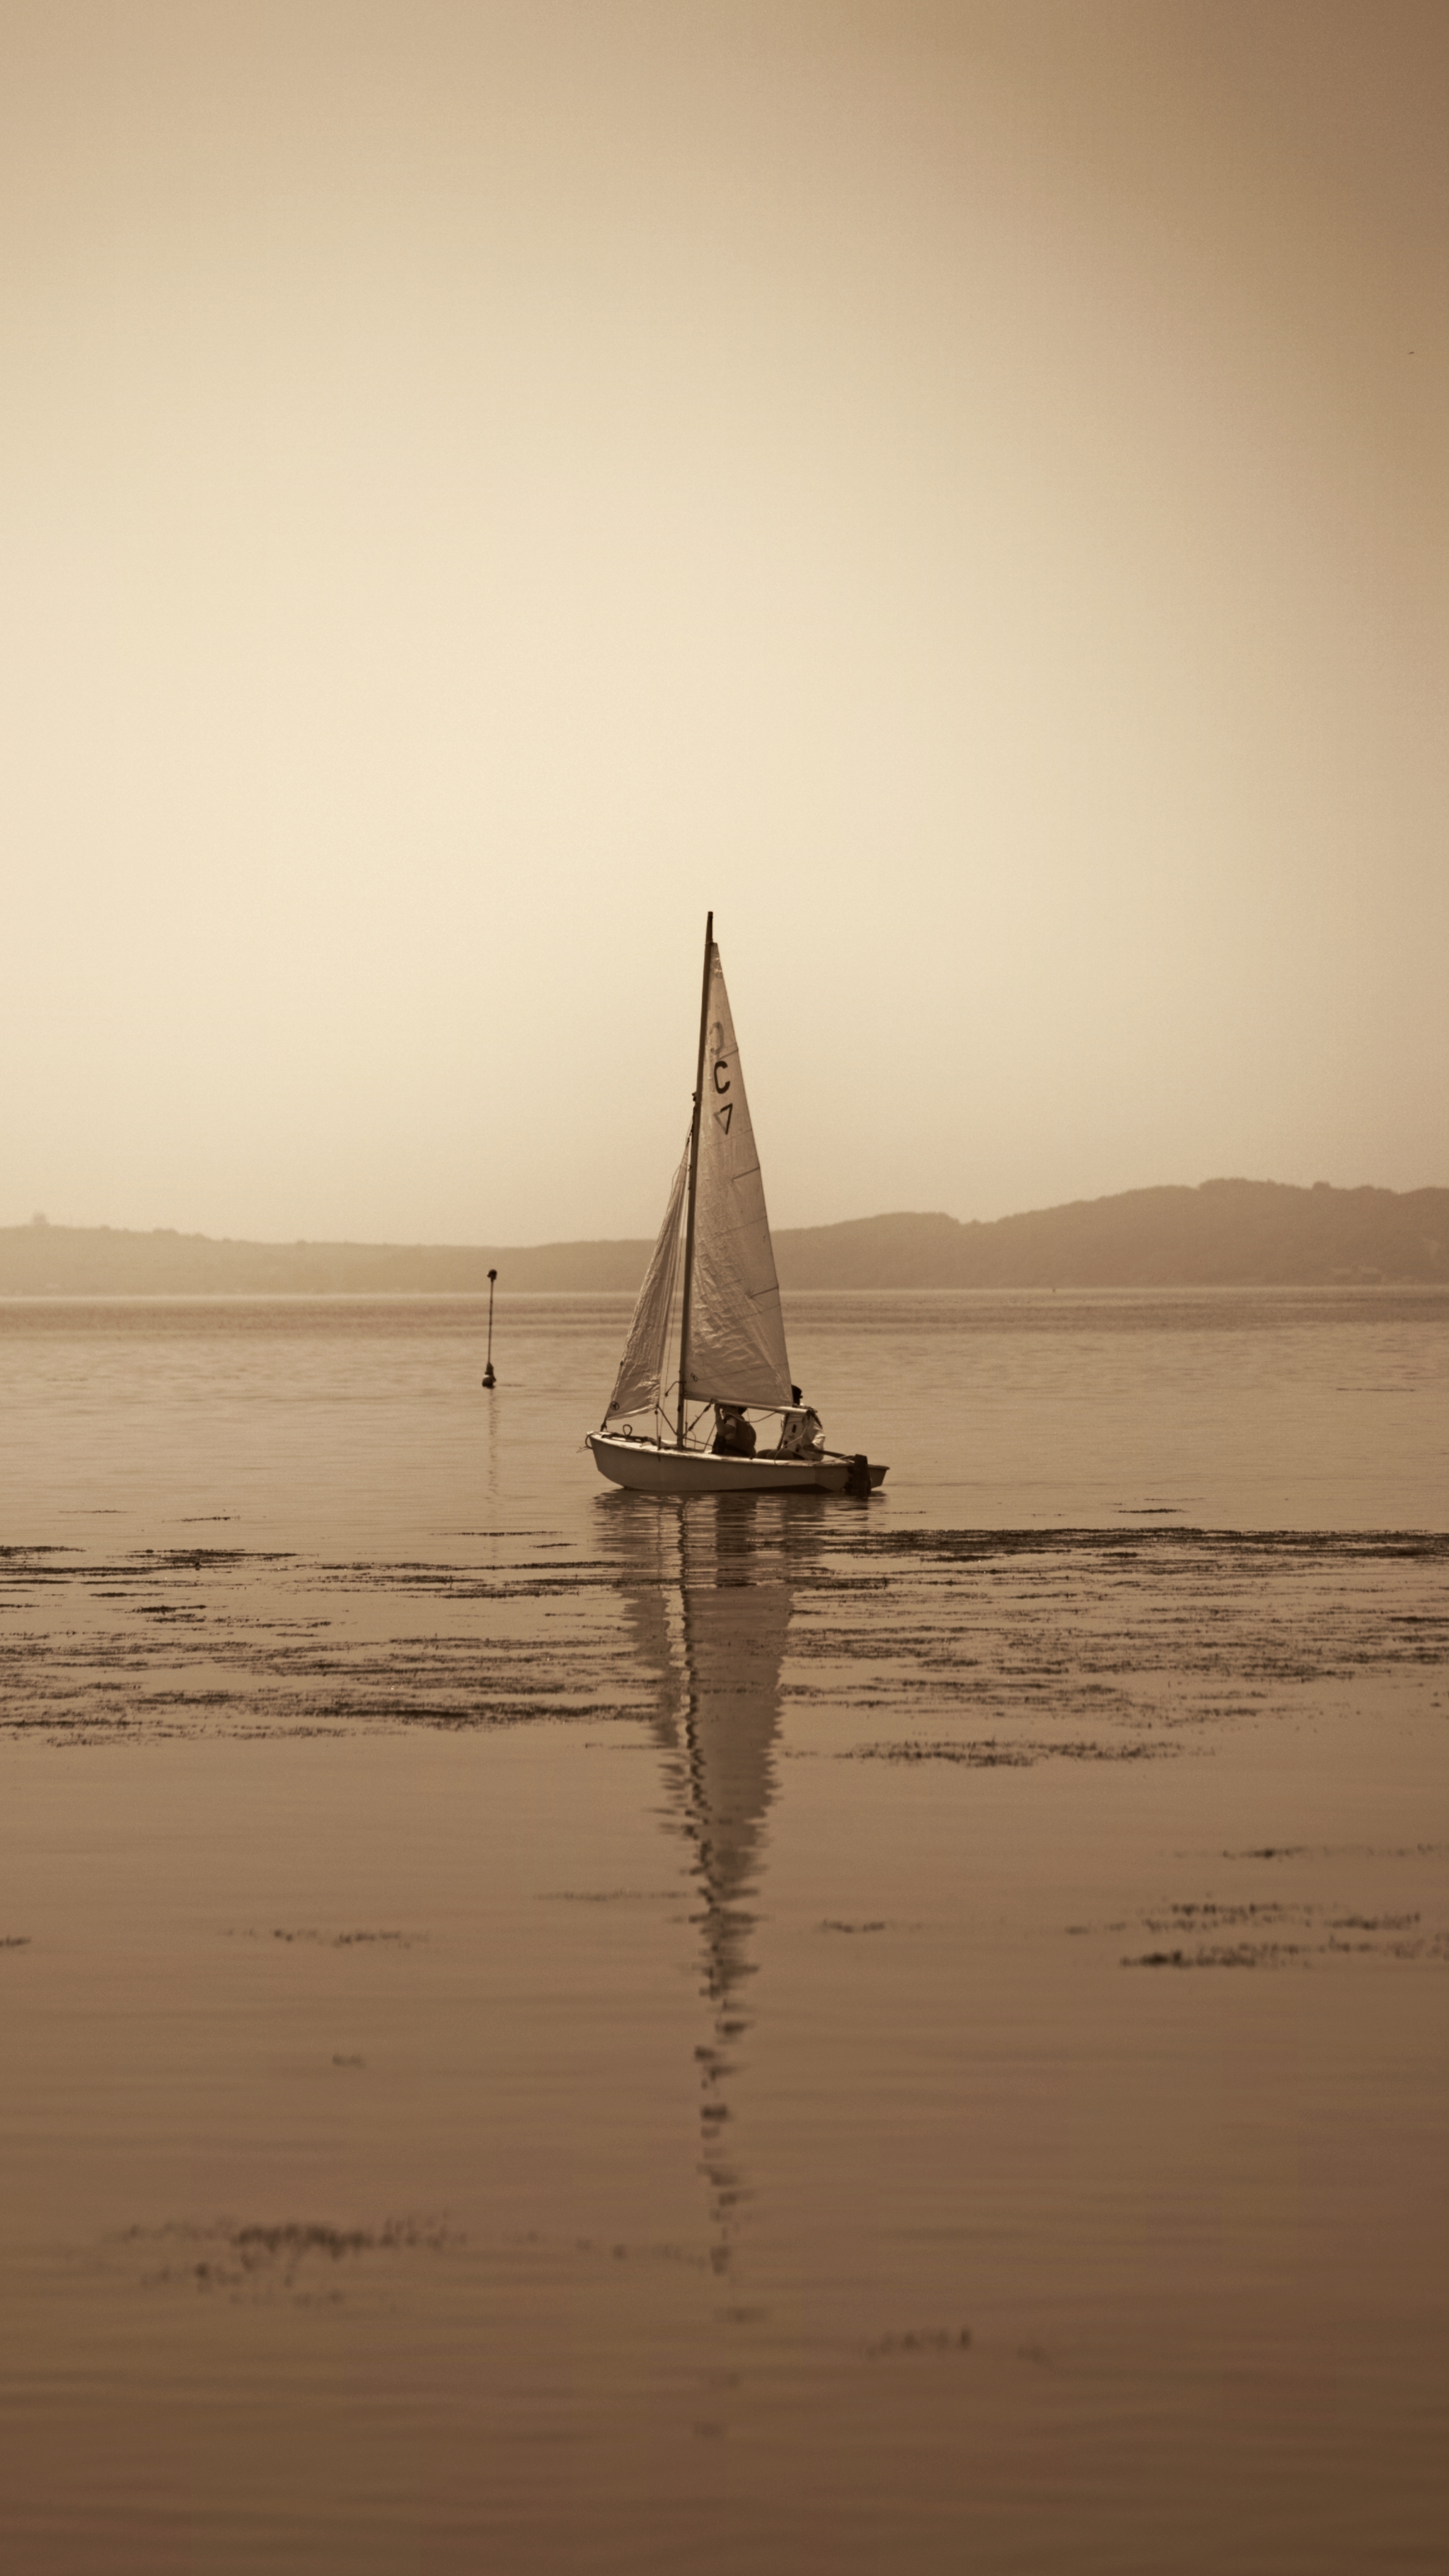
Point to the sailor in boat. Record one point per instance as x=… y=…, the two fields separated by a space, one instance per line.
x=734 y=1437
x=802 y=1434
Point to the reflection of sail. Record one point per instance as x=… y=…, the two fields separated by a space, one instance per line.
x=650 y=1594
x=709 y=1607
x=734 y=1641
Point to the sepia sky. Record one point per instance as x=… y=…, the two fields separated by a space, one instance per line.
x=957 y=485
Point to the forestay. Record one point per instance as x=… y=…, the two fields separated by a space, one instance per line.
x=639 y=1386
x=736 y=1334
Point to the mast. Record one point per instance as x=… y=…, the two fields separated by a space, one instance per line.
x=693 y=1179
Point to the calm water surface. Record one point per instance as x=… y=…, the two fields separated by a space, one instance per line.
x=545 y=2030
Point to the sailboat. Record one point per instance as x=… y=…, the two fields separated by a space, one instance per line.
x=731 y=1341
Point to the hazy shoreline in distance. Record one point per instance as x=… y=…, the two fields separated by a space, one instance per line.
x=1222 y=1234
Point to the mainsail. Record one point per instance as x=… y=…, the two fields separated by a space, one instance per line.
x=639 y=1386
x=736 y=1349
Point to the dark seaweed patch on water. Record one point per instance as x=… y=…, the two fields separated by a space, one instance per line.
x=968 y=1544
x=1269 y=1851
x=259 y=2259
x=190 y=1699
x=325 y=1940
x=1240 y=1954
x=990 y=1754
x=1377 y=1936
x=458 y=1717
x=608 y=1896
x=1339 y=1851
x=520 y=1579
x=211 y=1559
x=1196 y=1916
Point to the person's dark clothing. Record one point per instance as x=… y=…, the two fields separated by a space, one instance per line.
x=734 y=1437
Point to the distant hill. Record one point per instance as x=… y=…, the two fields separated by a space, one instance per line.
x=1223 y=1234
x=91 y=1261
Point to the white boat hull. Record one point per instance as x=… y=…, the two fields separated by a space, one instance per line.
x=651 y=1467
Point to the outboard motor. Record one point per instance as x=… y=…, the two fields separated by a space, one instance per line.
x=857 y=1476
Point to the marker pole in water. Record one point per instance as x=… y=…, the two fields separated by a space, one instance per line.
x=488 y=1376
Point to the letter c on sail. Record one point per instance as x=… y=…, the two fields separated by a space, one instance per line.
x=718 y=1070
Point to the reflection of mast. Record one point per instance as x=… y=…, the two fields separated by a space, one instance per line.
x=718 y=1606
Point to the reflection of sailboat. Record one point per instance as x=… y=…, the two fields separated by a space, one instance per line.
x=731 y=1333
x=712 y=1625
